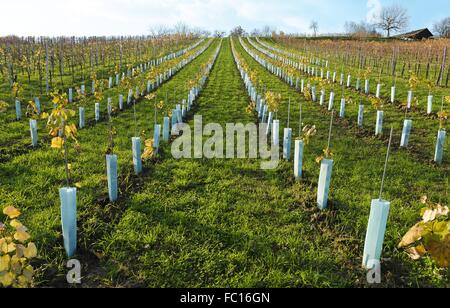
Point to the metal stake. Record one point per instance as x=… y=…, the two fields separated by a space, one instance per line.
x=385 y=164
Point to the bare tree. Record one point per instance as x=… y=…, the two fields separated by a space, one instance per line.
x=267 y=31
x=314 y=27
x=206 y=33
x=182 y=29
x=442 y=27
x=159 y=31
x=361 y=29
x=256 y=33
x=392 y=19
x=238 y=31
x=198 y=32
x=219 y=33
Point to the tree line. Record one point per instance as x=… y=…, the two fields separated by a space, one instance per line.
x=390 y=20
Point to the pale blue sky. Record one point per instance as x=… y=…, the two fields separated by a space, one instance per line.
x=131 y=17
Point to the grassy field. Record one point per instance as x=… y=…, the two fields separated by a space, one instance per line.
x=37 y=176
x=227 y=223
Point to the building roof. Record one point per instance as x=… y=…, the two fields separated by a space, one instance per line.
x=417 y=34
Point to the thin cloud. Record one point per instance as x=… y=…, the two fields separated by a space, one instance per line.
x=374 y=8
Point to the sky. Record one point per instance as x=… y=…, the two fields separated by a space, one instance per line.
x=137 y=17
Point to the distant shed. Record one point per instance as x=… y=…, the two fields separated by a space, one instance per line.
x=421 y=34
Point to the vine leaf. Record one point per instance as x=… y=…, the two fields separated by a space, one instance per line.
x=4 y=263
x=11 y=212
x=412 y=236
x=6 y=279
x=21 y=235
x=439 y=249
x=30 y=251
x=57 y=143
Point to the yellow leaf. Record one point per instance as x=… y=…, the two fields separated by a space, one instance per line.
x=11 y=247
x=67 y=130
x=6 y=279
x=71 y=130
x=4 y=263
x=16 y=265
x=15 y=223
x=149 y=143
x=57 y=143
x=421 y=250
x=23 y=281
x=78 y=185
x=148 y=153
x=440 y=251
x=53 y=132
x=11 y=212
x=328 y=153
x=31 y=251
x=21 y=235
x=3 y=106
x=28 y=272
x=74 y=128
x=415 y=253
x=319 y=159
x=20 y=250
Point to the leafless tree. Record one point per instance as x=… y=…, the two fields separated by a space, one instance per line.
x=267 y=31
x=219 y=33
x=238 y=31
x=255 y=33
x=314 y=27
x=182 y=29
x=361 y=29
x=159 y=31
x=206 y=33
x=197 y=32
x=442 y=27
x=392 y=19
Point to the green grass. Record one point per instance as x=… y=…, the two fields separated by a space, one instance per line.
x=39 y=174
x=356 y=177
x=226 y=223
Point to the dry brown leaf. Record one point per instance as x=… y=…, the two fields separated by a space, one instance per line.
x=412 y=236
